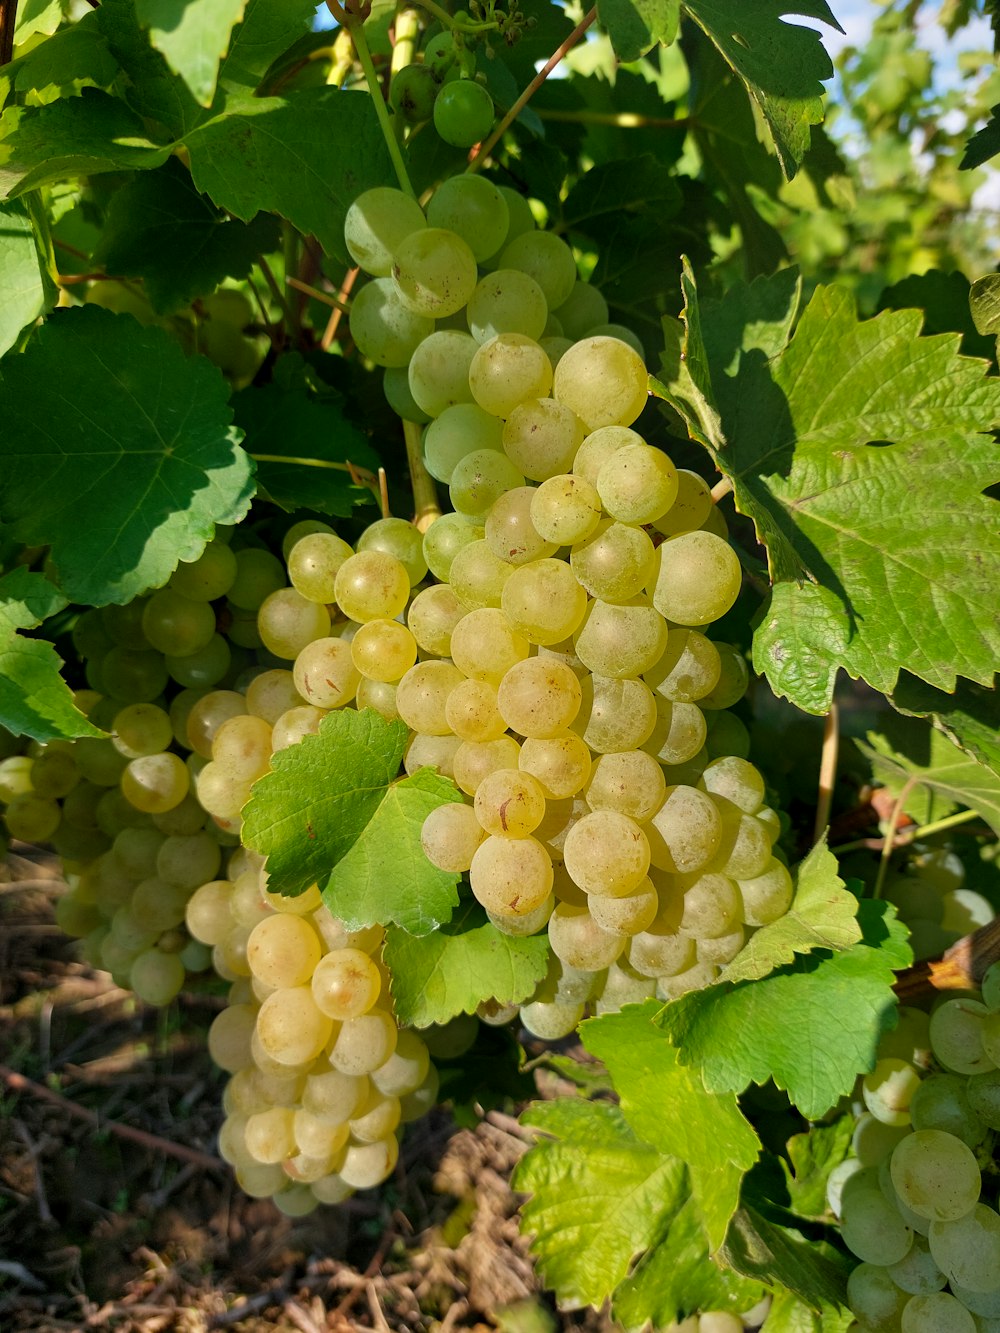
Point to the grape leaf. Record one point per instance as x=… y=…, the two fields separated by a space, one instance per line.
x=71 y=60
x=636 y=25
x=984 y=303
x=298 y=442
x=790 y=1315
x=780 y=64
x=812 y=1026
x=331 y=808
x=75 y=136
x=150 y=88
x=133 y=461
x=599 y=1196
x=635 y=185
x=35 y=701
x=34 y=16
x=159 y=228
x=704 y=1128
x=859 y=453
x=24 y=292
x=466 y=961
x=970 y=716
x=192 y=36
x=822 y=916
x=305 y=159
x=813 y=1156
x=678 y=1278
x=910 y=750
x=984 y=144
x=268 y=29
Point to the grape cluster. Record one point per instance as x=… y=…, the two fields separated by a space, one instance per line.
x=929 y=893
x=443 y=88
x=565 y=679
x=917 y=1199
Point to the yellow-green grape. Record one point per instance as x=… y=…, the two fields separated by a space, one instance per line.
x=133 y=677
x=606 y=852
x=478 y=577
x=258 y=573
x=189 y=859
x=154 y=783
x=368 y=1164
x=432 y=617
x=627 y=915
x=422 y=694
x=364 y=1043
x=209 y=577
x=539 y=697
x=578 y=941
x=508 y=369
x=566 y=510
x=383 y=650
x=372 y=585
x=242 y=748
x=614 y=562
x=620 y=639
x=510 y=533
x=207 y=912
x=459 y=430
x=306 y=527
x=291 y=1028
x=207 y=715
x=437 y=752
x=376 y=222
x=543 y=601
x=679 y=733
x=230 y=1035
x=598 y=447
x=15 y=777
x=299 y=722
x=313 y=563
x=583 y=310
x=506 y=301
x=346 y=983
x=603 y=381
x=560 y=764
x=936 y=1175
x=711 y=906
x=385 y=328
x=737 y=781
x=287 y=622
x=472 y=712
x=272 y=693
x=630 y=782
x=479 y=479
x=520 y=220
x=396 y=537
x=396 y=387
x=473 y=208
x=484 y=646
x=615 y=714
x=698 y=578
x=509 y=803
x=450 y=835
x=283 y=950
x=511 y=876
x=204 y=668
x=439 y=370
x=734 y=676
x=684 y=834
x=157 y=977
x=325 y=673
x=548 y=259
x=177 y=625
x=445 y=538
x=54 y=773
x=688 y=669
x=620 y=332
x=222 y=793
x=32 y=818
x=475 y=760
x=433 y=273
x=766 y=896
x=637 y=484
x=140 y=729
x=541 y=438
x=691 y=507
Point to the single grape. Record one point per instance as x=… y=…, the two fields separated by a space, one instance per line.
x=463 y=113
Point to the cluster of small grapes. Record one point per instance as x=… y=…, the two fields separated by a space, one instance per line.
x=564 y=677
x=917 y=1199
x=321 y=1075
x=442 y=87
x=929 y=894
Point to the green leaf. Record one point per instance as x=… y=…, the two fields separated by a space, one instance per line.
x=466 y=961
x=678 y=1278
x=813 y=1156
x=599 y=1197
x=822 y=916
x=76 y=136
x=132 y=463
x=159 y=228
x=780 y=64
x=35 y=700
x=812 y=1026
x=912 y=751
x=634 y=185
x=945 y=299
x=39 y=16
x=490 y=1074
x=970 y=716
x=636 y=25
x=24 y=292
x=860 y=454
x=984 y=144
x=192 y=36
x=790 y=1315
x=268 y=29
x=705 y=1129
x=298 y=442
x=331 y=807
x=984 y=303
x=151 y=87
x=305 y=159
x=65 y=64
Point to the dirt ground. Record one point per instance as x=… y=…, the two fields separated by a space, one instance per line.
x=116 y=1214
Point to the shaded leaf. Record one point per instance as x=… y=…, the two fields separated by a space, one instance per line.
x=813 y=1156
x=65 y=64
x=790 y=1315
x=133 y=462
x=984 y=144
x=151 y=87
x=35 y=700
x=192 y=36
x=636 y=25
x=970 y=716
x=268 y=29
x=24 y=291
x=466 y=961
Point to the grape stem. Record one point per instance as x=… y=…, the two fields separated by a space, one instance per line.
x=889 y=844
x=906 y=836
x=330 y=332
x=446 y=19
x=827 y=771
x=488 y=144
x=425 y=501
x=317 y=295
x=355 y=25
x=721 y=489
x=623 y=120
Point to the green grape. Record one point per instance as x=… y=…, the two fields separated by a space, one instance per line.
x=207 y=578
x=202 y=669
x=432 y=617
x=439 y=370
x=506 y=301
x=54 y=773
x=697 y=578
x=124 y=623
x=684 y=834
x=141 y=729
x=688 y=669
x=458 y=431
x=547 y=258
x=873 y=1296
x=520 y=220
x=412 y=93
x=916 y=1273
x=479 y=479
x=614 y=562
x=561 y=764
x=510 y=533
x=990 y=987
x=555 y=348
x=603 y=381
x=630 y=782
x=396 y=537
x=957 y=1036
x=889 y=1089
x=386 y=329
x=940 y=1102
x=637 y=484
x=32 y=818
x=541 y=438
x=396 y=387
x=433 y=274
x=539 y=697
x=376 y=223
x=940 y=1312
x=983 y=1092
x=325 y=673
x=372 y=585
x=598 y=447
x=584 y=308
x=313 y=564
x=711 y=906
x=615 y=714
x=935 y=1175
x=484 y=646
x=621 y=639
x=258 y=574
x=507 y=370
x=691 y=507
x=566 y=510
x=620 y=332
x=422 y=694
x=133 y=677
x=511 y=876
x=543 y=601
x=606 y=852
x=579 y=942
x=766 y=896
x=871 y=1226
x=474 y=209
x=734 y=677
x=446 y=538
x=176 y=625
x=306 y=527
x=450 y=835
x=463 y=113
x=155 y=782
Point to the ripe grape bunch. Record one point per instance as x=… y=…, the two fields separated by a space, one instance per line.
x=917 y=1199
